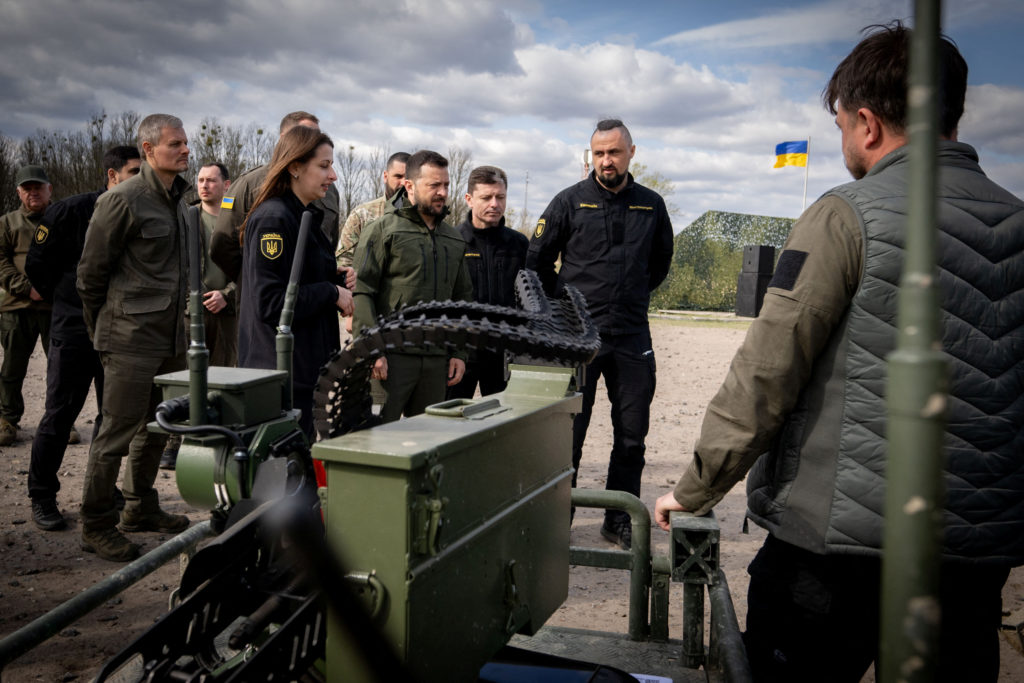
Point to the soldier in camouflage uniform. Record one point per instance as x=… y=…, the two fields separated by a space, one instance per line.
x=394 y=174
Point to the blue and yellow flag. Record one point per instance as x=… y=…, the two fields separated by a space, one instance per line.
x=791 y=154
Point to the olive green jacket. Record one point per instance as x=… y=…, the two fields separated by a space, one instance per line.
x=400 y=261
x=132 y=275
x=17 y=230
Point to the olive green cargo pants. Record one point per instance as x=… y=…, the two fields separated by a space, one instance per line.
x=129 y=403
x=19 y=331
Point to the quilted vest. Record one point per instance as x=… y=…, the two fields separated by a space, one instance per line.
x=822 y=485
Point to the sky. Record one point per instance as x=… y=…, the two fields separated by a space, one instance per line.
x=707 y=88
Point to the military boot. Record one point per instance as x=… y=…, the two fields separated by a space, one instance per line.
x=74 y=437
x=160 y=521
x=109 y=544
x=8 y=433
x=46 y=515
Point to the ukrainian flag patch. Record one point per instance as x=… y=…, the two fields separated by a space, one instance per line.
x=227 y=203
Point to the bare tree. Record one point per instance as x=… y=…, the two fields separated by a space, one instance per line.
x=460 y=163
x=351 y=179
x=8 y=170
x=257 y=146
x=376 y=164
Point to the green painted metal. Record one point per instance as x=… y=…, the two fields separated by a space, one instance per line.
x=637 y=559
x=661 y=579
x=57 y=619
x=917 y=396
x=464 y=522
x=726 y=651
x=198 y=354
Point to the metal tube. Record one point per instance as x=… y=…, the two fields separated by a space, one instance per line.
x=640 y=551
x=54 y=621
x=693 y=625
x=198 y=354
x=727 y=651
x=917 y=395
x=284 y=343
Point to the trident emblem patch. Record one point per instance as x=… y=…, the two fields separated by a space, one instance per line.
x=271 y=245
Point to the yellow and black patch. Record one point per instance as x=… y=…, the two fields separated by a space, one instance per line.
x=41 y=234
x=584 y=205
x=636 y=207
x=271 y=245
x=540 y=228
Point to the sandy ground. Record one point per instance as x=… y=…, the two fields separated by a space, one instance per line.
x=40 y=570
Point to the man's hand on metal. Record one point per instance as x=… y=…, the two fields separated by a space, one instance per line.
x=663 y=506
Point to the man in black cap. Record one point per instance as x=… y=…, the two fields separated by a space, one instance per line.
x=24 y=315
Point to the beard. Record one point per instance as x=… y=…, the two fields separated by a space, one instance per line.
x=428 y=209
x=611 y=182
x=390 y=192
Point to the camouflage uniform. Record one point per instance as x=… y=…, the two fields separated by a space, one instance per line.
x=360 y=217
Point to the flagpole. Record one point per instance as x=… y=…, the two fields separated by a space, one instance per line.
x=807 y=167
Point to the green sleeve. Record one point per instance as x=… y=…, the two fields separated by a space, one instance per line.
x=369 y=263
x=775 y=359
x=109 y=230
x=11 y=279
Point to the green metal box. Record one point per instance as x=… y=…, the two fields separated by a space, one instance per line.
x=244 y=396
x=462 y=514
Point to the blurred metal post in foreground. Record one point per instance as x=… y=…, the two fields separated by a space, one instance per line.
x=917 y=395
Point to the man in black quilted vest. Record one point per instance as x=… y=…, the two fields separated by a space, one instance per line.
x=803 y=407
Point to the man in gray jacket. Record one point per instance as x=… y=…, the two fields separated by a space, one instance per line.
x=133 y=286
x=803 y=406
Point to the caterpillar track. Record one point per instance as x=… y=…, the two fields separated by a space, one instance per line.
x=558 y=330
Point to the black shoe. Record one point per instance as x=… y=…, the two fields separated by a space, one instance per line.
x=46 y=515
x=620 y=533
x=169 y=458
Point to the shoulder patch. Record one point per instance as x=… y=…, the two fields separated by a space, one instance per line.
x=271 y=245
x=584 y=205
x=41 y=234
x=791 y=262
x=227 y=203
x=540 y=228
x=472 y=254
x=636 y=207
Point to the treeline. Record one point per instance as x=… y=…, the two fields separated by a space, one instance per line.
x=73 y=159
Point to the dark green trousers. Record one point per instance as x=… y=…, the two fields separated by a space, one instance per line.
x=129 y=403
x=19 y=331
x=413 y=383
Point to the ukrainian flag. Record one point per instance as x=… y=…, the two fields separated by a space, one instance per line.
x=791 y=154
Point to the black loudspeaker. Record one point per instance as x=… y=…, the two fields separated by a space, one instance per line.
x=758 y=259
x=750 y=291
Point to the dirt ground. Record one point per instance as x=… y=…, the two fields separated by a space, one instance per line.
x=39 y=570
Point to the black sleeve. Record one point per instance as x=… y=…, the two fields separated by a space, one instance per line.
x=47 y=258
x=548 y=242
x=661 y=248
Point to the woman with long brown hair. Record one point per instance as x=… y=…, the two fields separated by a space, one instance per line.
x=300 y=173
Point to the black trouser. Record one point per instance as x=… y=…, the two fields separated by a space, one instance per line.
x=70 y=369
x=487 y=370
x=627 y=364
x=816 y=617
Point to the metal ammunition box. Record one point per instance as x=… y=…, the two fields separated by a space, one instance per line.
x=244 y=396
x=462 y=515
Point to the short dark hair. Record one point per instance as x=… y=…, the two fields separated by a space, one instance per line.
x=397 y=158
x=486 y=175
x=611 y=124
x=224 y=174
x=295 y=118
x=874 y=76
x=424 y=157
x=118 y=157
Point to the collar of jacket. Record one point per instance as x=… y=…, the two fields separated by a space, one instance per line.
x=295 y=205
x=468 y=222
x=178 y=188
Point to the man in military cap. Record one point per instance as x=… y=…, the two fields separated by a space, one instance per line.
x=24 y=315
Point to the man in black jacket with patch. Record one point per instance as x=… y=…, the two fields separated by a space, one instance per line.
x=72 y=364
x=614 y=237
x=494 y=255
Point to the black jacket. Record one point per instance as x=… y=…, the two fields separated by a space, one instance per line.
x=271 y=235
x=615 y=248
x=52 y=263
x=494 y=256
